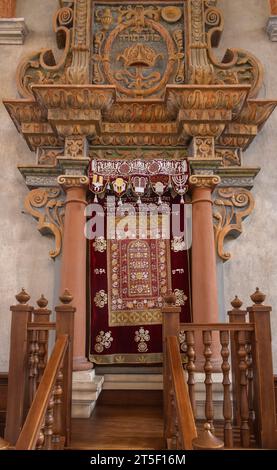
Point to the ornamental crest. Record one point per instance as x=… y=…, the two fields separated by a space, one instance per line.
x=138 y=48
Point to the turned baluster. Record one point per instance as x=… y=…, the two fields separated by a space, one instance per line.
x=48 y=428
x=58 y=393
x=41 y=315
x=244 y=411
x=227 y=404
x=41 y=439
x=250 y=379
x=33 y=365
x=191 y=369
x=208 y=368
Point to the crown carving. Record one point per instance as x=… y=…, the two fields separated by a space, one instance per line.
x=139 y=55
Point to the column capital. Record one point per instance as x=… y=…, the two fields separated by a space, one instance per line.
x=73 y=181
x=204 y=181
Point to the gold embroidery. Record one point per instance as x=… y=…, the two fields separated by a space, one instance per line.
x=103 y=340
x=100 y=244
x=142 y=336
x=101 y=299
x=180 y=297
x=178 y=244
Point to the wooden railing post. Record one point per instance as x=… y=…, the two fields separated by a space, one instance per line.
x=264 y=396
x=18 y=367
x=42 y=315
x=171 y=327
x=65 y=325
x=236 y=315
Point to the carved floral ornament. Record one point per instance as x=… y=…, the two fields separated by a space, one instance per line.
x=231 y=207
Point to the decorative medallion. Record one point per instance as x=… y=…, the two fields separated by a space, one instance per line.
x=178 y=244
x=100 y=244
x=142 y=336
x=103 y=341
x=101 y=299
x=138 y=48
x=180 y=297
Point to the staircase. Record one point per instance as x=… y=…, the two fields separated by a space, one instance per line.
x=127 y=416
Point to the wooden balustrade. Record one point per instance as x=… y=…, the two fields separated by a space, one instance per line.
x=252 y=391
x=42 y=391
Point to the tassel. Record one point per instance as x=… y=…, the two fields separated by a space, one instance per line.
x=182 y=200
x=120 y=202
x=139 y=200
x=160 y=201
x=95 y=199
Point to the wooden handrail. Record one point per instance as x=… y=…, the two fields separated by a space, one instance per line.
x=217 y=327
x=30 y=432
x=186 y=424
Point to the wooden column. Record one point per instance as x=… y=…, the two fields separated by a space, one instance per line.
x=204 y=277
x=264 y=394
x=7 y=8
x=18 y=367
x=73 y=269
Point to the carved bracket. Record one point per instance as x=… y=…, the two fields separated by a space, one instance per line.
x=231 y=207
x=46 y=205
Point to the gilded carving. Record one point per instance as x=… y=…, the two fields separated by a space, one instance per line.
x=229 y=157
x=231 y=207
x=46 y=205
x=202 y=148
x=204 y=181
x=69 y=181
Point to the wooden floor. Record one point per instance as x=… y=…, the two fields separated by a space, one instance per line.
x=119 y=427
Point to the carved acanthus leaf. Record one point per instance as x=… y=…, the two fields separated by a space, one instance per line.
x=41 y=67
x=231 y=207
x=46 y=205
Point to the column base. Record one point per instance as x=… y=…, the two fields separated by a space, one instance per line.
x=86 y=388
x=13 y=31
x=81 y=363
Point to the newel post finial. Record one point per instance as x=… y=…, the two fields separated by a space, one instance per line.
x=22 y=297
x=66 y=298
x=258 y=297
x=170 y=299
x=236 y=303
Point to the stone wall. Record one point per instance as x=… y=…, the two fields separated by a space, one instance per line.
x=24 y=256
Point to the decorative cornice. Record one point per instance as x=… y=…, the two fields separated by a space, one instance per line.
x=204 y=181
x=73 y=181
x=13 y=31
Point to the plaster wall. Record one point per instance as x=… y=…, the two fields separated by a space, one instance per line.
x=24 y=259
x=24 y=256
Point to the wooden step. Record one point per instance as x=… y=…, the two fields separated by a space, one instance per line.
x=119 y=427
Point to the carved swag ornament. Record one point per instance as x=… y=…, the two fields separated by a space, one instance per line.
x=141 y=77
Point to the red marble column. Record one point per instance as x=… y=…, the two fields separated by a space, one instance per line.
x=73 y=269
x=7 y=8
x=204 y=276
x=273 y=7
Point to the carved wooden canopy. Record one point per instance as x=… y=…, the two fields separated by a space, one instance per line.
x=144 y=77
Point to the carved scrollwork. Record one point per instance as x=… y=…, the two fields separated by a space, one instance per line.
x=231 y=207
x=41 y=67
x=45 y=205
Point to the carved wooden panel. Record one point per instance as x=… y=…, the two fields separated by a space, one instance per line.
x=139 y=48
